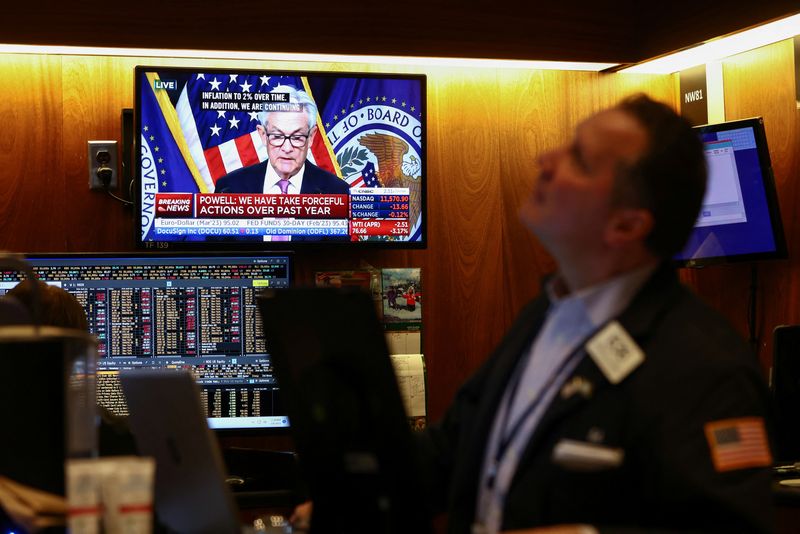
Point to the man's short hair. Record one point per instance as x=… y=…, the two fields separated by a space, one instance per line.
x=57 y=306
x=296 y=96
x=669 y=179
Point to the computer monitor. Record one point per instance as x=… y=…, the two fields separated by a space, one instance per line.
x=349 y=426
x=785 y=386
x=740 y=219
x=179 y=311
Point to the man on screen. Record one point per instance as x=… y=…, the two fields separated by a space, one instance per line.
x=287 y=136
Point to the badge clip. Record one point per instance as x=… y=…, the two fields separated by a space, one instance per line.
x=577 y=385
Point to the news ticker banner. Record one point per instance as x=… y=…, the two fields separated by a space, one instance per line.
x=372 y=212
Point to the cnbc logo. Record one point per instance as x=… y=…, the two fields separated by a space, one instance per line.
x=165 y=84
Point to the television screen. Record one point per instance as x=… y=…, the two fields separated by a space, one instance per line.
x=740 y=219
x=176 y=311
x=252 y=159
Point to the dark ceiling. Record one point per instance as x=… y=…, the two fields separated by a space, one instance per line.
x=561 y=30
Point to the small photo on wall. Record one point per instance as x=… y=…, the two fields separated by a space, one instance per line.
x=402 y=298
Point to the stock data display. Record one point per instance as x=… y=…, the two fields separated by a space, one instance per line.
x=380 y=212
x=195 y=313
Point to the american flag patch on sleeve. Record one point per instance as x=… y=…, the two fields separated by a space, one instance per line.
x=738 y=443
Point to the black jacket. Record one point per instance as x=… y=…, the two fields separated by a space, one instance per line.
x=251 y=180
x=696 y=370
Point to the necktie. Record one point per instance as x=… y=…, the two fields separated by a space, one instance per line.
x=284 y=185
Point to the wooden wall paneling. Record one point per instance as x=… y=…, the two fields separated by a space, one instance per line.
x=615 y=87
x=96 y=89
x=464 y=205
x=533 y=119
x=32 y=197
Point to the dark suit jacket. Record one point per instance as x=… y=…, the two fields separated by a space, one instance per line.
x=251 y=180
x=696 y=370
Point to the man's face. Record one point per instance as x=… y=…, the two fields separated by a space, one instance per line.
x=287 y=159
x=570 y=205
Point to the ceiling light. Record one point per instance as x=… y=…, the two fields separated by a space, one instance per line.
x=284 y=56
x=720 y=48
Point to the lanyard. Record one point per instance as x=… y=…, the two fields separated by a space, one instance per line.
x=507 y=435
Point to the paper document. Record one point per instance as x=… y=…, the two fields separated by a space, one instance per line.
x=403 y=342
x=410 y=371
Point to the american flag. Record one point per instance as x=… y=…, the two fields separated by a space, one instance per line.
x=738 y=443
x=367 y=178
x=221 y=141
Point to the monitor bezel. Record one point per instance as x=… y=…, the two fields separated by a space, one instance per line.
x=268 y=246
x=770 y=196
x=221 y=432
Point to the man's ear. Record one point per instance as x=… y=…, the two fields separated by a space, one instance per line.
x=262 y=133
x=628 y=225
x=312 y=133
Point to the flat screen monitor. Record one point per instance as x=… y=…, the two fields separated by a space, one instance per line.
x=785 y=385
x=264 y=159
x=740 y=219
x=179 y=311
x=351 y=431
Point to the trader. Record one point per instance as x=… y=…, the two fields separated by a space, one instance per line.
x=287 y=136
x=618 y=401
